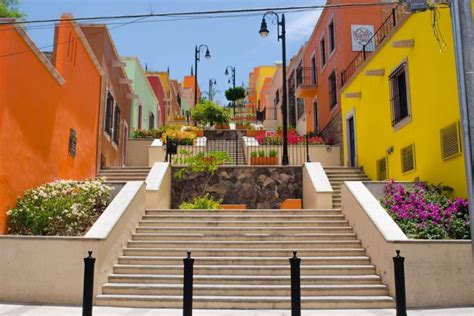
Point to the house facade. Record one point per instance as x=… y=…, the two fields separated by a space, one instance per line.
x=116 y=97
x=155 y=83
x=256 y=81
x=145 y=107
x=401 y=117
x=333 y=44
x=49 y=114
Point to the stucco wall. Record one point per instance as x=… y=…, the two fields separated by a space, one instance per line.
x=137 y=151
x=431 y=90
x=437 y=273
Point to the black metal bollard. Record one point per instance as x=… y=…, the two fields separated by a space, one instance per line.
x=188 y=285
x=295 y=263
x=400 y=296
x=88 y=293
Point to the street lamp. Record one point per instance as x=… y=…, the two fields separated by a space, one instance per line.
x=197 y=57
x=232 y=69
x=281 y=35
x=212 y=82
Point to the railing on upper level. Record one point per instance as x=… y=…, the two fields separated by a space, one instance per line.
x=373 y=43
x=306 y=76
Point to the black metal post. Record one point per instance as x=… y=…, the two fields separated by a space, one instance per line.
x=394 y=17
x=196 y=59
x=188 y=285
x=400 y=296
x=284 y=107
x=233 y=85
x=88 y=292
x=307 y=148
x=237 y=148
x=295 y=263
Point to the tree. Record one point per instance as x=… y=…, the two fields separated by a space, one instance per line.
x=234 y=94
x=207 y=112
x=9 y=9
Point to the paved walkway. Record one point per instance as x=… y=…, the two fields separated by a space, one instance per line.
x=34 y=310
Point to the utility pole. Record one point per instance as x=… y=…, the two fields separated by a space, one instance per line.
x=463 y=33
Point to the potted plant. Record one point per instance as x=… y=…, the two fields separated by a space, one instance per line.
x=272 y=158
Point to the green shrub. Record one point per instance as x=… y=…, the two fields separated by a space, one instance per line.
x=261 y=153
x=65 y=208
x=207 y=112
x=201 y=203
x=253 y=154
x=273 y=153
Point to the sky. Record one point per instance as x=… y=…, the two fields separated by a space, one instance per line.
x=161 y=44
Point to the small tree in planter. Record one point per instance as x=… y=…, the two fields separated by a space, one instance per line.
x=259 y=158
x=207 y=112
x=200 y=168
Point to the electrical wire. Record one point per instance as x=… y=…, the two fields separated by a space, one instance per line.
x=210 y=12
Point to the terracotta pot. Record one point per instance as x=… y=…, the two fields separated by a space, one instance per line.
x=233 y=207
x=254 y=133
x=263 y=161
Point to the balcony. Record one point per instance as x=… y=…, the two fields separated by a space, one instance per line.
x=306 y=82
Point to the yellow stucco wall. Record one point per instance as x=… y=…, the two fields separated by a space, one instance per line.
x=263 y=73
x=433 y=102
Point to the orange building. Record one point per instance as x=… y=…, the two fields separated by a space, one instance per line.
x=116 y=97
x=334 y=42
x=48 y=112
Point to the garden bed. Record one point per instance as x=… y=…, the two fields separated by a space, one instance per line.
x=256 y=187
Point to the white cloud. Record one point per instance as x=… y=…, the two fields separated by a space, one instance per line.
x=300 y=26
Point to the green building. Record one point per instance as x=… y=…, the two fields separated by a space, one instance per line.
x=145 y=108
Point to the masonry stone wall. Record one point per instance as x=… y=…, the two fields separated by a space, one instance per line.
x=256 y=187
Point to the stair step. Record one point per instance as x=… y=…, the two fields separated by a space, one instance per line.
x=243 y=212
x=303 y=244
x=243 y=230
x=243 y=289
x=236 y=302
x=225 y=252
x=254 y=279
x=246 y=261
x=242 y=237
x=308 y=223
x=245 y=270
x=244 y=217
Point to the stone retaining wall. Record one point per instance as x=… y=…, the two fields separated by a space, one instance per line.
x=223 y=134
x=256 y=187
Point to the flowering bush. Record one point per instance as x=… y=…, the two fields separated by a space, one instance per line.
x=425 y=211
x=65 y=208
x=293 y=139
x=147 y=133
x=182 y=137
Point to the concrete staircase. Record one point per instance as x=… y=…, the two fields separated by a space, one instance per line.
x=337 y=175
x=241 y=261
x=232 y=147
x=124 y=174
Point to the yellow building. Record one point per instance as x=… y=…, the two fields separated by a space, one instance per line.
x=256 y=83
x=400 y=109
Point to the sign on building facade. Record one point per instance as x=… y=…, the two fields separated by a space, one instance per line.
x=361 y=34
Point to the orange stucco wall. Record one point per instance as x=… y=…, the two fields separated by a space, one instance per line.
x=38 y=106
x=339 y=58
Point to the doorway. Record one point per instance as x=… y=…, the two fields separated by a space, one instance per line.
x=351 y=141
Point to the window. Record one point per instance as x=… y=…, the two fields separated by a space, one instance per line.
x=399 y=94
x=151 y=121
x=323 y=52
x=116 y=124
x=332 y=89
x=382 y=169
x=109 y=106
x=72 y=146
x=450 y=141
x=332 y=37
x=139 y=117
x=408 y=158
x=313 y=70
x=299 y=107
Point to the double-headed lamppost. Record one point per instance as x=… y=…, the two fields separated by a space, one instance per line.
x=197 y=57
x=212 y=82
x=281 y=35
x=232 y=69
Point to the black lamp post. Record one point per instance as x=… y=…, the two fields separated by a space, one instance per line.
x=232 y=69
x=281 y=35
x=212 y=82
x=197 y=57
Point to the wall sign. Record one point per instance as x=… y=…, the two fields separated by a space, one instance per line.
x=361 y=34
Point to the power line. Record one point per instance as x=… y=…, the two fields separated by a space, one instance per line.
x=211 y=12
